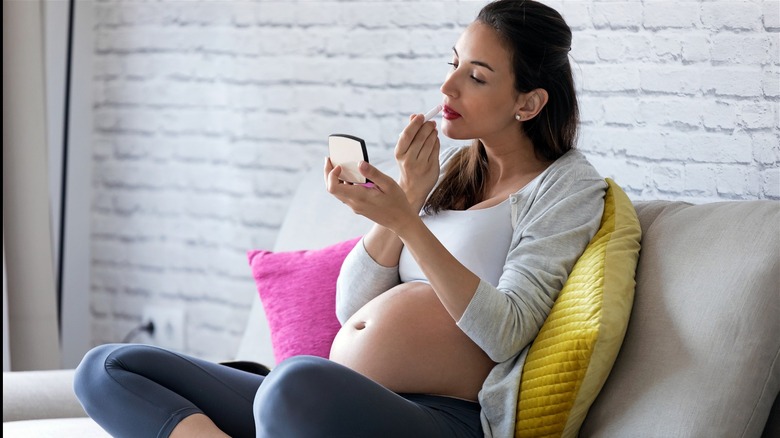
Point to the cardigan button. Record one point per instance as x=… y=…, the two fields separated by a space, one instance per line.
x=513 y=200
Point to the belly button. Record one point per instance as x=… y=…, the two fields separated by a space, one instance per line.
x=360 y=325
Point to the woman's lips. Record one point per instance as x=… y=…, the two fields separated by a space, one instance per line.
x=449 y=114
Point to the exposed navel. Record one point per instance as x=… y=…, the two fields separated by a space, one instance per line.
x=360 y=325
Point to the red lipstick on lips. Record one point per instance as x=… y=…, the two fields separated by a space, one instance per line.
x=449 y=114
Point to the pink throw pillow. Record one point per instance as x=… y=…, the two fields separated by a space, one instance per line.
x=298 y=292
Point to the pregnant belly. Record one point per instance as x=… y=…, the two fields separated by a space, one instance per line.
x=405 y=340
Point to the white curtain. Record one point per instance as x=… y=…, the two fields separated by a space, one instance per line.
x=6 y=350
x=31 y=336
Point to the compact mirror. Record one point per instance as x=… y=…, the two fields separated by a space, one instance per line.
x=348 y=151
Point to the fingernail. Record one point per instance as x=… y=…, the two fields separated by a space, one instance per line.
x=363 y=165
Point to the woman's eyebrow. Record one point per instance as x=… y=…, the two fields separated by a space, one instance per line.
x=479 y=63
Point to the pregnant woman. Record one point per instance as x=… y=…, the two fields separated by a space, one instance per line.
x=441 y=298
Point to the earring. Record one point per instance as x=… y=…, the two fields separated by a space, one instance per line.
x=518 y=118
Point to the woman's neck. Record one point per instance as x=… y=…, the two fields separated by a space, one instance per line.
x=512 y=159
x=511 y=166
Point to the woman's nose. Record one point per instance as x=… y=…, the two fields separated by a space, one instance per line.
x=449 y=87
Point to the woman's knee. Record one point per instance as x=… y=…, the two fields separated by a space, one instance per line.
x=294 y=378
x=297 y=390
x=89 y=373
x=93 y=372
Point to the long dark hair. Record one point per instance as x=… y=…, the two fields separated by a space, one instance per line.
x=539 y=41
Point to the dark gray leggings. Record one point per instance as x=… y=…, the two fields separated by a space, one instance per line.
x=144 y=391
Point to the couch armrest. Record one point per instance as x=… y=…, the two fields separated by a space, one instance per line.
x=31 y=395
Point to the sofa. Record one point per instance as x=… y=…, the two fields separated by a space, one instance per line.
x=699 y=357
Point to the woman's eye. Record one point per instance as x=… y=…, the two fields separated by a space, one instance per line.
x=474 y=78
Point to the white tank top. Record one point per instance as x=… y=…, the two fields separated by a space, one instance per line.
x=479 y=239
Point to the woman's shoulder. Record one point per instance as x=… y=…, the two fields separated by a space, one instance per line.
x=576 y=165
x=571 y=173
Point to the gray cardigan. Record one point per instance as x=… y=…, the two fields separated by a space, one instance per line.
x=554 y=218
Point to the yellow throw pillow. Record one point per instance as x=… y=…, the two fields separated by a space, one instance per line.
x=570 y=359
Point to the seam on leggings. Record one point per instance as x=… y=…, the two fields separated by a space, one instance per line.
x=174 y=419
x=203 y=370
x=186 y=359
x=131 y=390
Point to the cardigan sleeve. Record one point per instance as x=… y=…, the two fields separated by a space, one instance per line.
x=553 y=225
x=360 y=280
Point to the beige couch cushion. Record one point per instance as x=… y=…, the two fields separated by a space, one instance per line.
x=700 y=355
x=29 y=395
x=54 y=428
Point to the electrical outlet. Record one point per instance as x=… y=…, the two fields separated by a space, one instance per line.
x=168 y=326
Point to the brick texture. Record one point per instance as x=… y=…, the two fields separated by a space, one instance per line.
x=207 y=112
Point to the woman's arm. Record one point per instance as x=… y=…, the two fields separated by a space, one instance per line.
x=371 y=268
x=551 y=232
x=417 y=155
x=453 y=283
x=386 y=204
x=361 y=279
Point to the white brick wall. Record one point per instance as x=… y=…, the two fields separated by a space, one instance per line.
x=207 y=111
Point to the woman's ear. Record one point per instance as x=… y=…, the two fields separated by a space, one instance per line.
x=530 y=104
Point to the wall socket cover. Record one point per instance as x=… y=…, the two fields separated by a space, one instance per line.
x=168 y=326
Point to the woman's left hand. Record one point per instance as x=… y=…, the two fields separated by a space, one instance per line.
x=382 y=201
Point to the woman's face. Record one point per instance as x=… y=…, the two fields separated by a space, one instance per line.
x=480 y=100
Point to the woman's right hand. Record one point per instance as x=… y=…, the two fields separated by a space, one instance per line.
x=417 y=154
